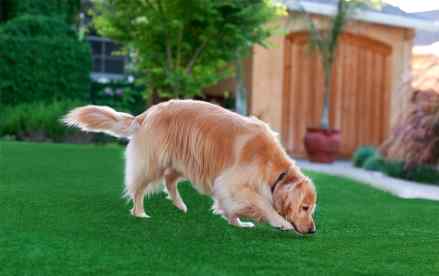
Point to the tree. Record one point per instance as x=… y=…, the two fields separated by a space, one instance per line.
x=326 y=42
x=181 y=46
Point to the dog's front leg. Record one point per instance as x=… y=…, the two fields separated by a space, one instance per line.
x=253 y=205
x=265 y=210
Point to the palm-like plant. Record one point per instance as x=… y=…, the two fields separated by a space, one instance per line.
x=326 y=43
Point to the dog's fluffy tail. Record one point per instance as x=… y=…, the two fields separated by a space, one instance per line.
x=95 y=118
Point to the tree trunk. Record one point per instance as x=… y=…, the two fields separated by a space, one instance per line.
x=154 y=97
x=240 y=91
x=324 y=120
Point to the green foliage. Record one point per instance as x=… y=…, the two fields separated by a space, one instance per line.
x=399 y=169
x=36 y=121
x=423 y=174
x=42 y=60
x=182 y=46
x=362 y=154
x=67 y=10
x=418 y=173
x=394 y=168
x=121 y=95
x=374 y=163
x=37 y=26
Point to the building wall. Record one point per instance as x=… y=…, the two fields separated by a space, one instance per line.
x=268 y=67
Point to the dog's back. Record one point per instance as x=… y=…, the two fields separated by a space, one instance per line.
x=198 y=139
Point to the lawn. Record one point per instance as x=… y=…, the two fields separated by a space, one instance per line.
x=61 y=213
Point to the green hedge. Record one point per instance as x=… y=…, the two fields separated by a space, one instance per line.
x=398 y=169
x=39 y=65
x=362 y=154
x=418 y=173
x=37 y=26
x=120 y=95
x=374 y=163
x=36 y=121
x=65 y=9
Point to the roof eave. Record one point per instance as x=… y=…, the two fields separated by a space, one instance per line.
x=368 y=16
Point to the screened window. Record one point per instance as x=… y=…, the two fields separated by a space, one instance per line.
x=104 y=62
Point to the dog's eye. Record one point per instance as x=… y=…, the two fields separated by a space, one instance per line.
x=305 y=208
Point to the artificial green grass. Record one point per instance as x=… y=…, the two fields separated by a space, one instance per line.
x=61 y=213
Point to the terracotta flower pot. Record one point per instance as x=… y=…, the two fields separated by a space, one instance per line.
x=322 y=145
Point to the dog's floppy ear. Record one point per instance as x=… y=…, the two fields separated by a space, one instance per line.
x=281 y=176
x=278 y=180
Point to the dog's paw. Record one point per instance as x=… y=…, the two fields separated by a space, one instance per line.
x=246 y=224
x=181 y=206
x=139 y=214
x=217 y=211
x=284 y=225
x=243 y=224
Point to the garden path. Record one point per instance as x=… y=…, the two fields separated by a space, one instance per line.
x=398 y=187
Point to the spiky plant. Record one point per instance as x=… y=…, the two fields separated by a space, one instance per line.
x=325 y=43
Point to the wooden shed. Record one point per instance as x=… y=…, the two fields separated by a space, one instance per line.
x=285 y=82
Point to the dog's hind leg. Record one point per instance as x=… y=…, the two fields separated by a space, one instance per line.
x=216 y=209
x=171 y=182
x=234 y=220
x=140 y=179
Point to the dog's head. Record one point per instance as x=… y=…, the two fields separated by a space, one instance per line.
x=295 y=199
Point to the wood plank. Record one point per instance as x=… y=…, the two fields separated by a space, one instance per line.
x=386 y=99
x=297 y=100
x=361 y=95
x=377 y=116
x=286 y=96
x=360 y=99
x=338 y=85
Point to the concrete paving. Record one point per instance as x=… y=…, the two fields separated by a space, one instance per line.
x=398 y=187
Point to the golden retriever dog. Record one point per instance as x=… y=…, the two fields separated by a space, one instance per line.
x=236 y=160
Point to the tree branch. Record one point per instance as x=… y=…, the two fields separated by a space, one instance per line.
x=195 y=57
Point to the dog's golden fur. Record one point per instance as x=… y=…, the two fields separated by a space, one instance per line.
x=236 y=160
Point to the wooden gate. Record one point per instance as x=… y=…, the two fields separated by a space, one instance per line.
x=360 y=99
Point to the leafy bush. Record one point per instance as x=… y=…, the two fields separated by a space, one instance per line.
x=374 y=163
x=362 y=154
x=121 y=95
x=37 y=25
x=65 y=9
x=394 y=168
x=42 y=60
x=418 y=173
x=175 y=42
x=424 y=174
x=415 y=137
x=36 y=121
x=399 y=169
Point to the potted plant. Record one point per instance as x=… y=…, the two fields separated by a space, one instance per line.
x=322 y=143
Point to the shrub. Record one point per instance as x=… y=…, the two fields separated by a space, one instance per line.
x=42 y=60
x=37 y=25
x=36 y=121
x=424 y=174
x=418 y=173
x=415 y=137
x=175 y=42
x=121 y=95
x=394 y=168
x=362 y=154
x=67 y=10
x=374 y=163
